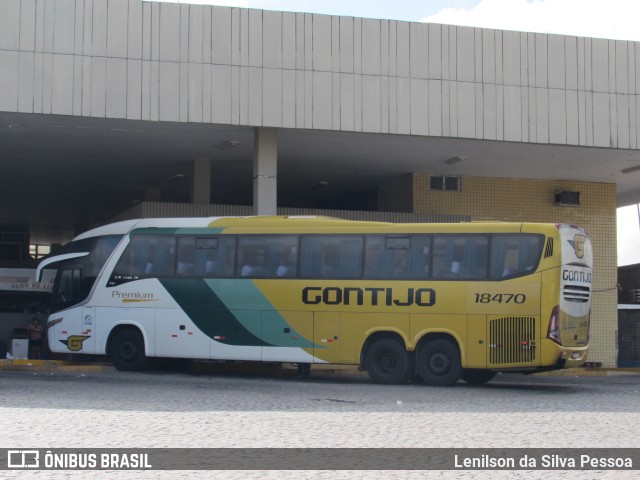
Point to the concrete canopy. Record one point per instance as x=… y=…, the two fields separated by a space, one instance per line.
x=66 y=171
x=104 y=102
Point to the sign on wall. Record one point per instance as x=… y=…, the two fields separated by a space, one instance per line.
x=24 y=280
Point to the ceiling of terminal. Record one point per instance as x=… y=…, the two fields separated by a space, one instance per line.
x=69 y=172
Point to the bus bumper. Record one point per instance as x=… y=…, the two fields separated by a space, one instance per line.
x=571 y=357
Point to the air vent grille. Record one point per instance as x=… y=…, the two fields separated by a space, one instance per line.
x=576 y=293
x=512 y=340
x=548 y=249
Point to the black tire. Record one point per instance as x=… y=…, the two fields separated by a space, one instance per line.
x=126 y=350
x=477 y=377
x=439 y=363
x=387 y=362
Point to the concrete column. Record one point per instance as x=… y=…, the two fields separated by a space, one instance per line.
x=265 y=169
x=201 y=183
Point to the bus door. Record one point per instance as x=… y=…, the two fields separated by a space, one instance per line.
x=288 y=335
x=326 y=336
x=477 y=345
x=177 y=336
x=235 y=334
x=75 y=331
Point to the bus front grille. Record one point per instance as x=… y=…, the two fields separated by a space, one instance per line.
x=512 y=340
x=576 y=293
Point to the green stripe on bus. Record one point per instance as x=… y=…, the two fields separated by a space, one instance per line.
x=209 y=313
x=233 y=312
x=244 y=299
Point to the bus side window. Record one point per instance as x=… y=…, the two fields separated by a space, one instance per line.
x=460 y=256
x=515 y=254
x=376 y=263
x=148 y=256
x=420 y=257
x=186 y=257
x=331 y=256
x=214 y=256
x=267 y=256
x=397 y=257
x=162 y=256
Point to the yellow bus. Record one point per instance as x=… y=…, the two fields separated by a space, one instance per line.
x=437 y=302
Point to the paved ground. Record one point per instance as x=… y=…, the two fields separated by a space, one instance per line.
x=160 y=409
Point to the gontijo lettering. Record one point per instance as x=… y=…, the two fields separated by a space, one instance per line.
x=576 y=276
x=374 y=296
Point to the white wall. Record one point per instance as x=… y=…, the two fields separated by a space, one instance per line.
x=193 y=63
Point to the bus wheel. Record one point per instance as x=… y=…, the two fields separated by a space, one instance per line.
x=387 y=362
x=127 y=351
x=477 y=377
x=439 y=363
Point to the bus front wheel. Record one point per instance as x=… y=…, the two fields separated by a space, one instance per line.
x=439 y=363
x=387 y=362
x=127 y=351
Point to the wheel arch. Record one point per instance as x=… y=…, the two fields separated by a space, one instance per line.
x=127 y=326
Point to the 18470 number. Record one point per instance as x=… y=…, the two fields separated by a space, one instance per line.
x=501 y=298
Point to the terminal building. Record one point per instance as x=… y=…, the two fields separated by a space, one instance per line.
x=113 y=109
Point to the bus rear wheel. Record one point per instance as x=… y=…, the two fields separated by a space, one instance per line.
x=127 y=351
x=439 y=363
x=387 y=362
x=477 y=377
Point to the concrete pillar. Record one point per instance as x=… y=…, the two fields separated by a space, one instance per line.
x=265 y=170
x=201 y=183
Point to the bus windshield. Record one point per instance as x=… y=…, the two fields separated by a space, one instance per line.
x=76 y=276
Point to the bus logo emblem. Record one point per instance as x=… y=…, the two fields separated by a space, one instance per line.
x=578 y=245
x=74 y=342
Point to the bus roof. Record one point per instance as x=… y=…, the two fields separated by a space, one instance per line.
x=315 y=224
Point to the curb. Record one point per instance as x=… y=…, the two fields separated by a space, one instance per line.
x=51 y=366
x=258 y=368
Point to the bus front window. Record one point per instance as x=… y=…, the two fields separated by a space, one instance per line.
x=69 y=285
x=75 y=277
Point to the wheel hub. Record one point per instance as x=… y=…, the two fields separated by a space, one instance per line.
x=439 y=363
x=389 y=362
x=128 y=351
